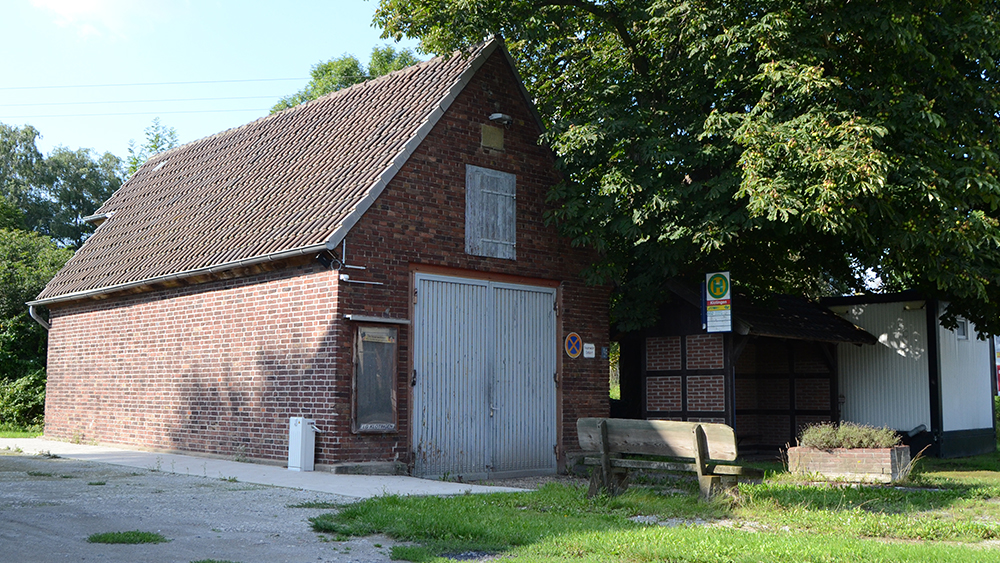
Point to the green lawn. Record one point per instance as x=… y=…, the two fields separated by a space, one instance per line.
x=11 y=431
x=944 y=514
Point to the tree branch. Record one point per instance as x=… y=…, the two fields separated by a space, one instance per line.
x=639 y=62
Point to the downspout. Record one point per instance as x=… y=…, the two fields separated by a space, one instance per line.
x=38 y=318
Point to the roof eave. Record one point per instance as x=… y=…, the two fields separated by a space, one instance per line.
x=90 y=293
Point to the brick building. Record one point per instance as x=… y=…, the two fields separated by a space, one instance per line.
x=775 y=372
x=376 y=260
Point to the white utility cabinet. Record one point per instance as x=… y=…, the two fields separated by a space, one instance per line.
x=301 y=443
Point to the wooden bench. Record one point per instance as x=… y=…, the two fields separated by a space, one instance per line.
x=701 y=445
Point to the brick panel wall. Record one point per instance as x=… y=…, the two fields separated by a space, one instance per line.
x=809 y=358
x=706 y=393
x=774 y=394
x=663 y=353
x=663 y=394
x=774 y=429
x=704 y=351
x=772 y=356
x=812 y=394
x=746 y=393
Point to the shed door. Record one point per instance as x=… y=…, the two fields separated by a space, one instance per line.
x=484 y=403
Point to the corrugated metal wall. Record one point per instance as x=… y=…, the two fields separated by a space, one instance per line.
x=966 y=381
x=887 y=384
x=485 y=398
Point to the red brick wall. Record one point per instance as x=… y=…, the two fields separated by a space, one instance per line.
x=863 y=465
x=705 y=351
x=706 y=393
x=812 y=394
x=663 y=393
x=224 y=380
x=663 y=353
x=216 y=368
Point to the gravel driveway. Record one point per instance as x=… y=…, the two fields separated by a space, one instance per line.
x=49 y=506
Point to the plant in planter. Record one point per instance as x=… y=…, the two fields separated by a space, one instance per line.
x=850 y=452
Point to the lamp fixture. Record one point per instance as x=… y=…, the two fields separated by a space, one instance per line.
x=501 y=118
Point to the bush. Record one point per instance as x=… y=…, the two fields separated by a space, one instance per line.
x=22 y=401
x=828 y=436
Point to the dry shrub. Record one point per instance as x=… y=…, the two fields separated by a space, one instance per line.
x=827 y=436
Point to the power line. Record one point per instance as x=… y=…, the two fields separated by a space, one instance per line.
x=144 y=101
x=150 y=84
x=151 y=112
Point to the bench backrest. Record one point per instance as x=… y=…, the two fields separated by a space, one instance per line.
x=657 y=437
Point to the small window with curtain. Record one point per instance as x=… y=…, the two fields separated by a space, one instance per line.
x=374 y=380
x=490 y=213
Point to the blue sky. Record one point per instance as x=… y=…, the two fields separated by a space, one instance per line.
x=70 y=68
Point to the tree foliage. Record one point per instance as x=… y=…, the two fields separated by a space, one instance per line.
x=51 y=195
x=804 y=146
x=159 y=138
x=346 y=70
x=29 y=261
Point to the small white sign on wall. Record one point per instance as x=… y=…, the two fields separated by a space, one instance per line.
x=589 y=350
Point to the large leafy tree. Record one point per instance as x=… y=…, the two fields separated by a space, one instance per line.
x=347 y=70
x=808 y=147
x=50 y=195
x=29 y=262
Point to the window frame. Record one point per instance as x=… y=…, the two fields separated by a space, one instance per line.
x=390 y=386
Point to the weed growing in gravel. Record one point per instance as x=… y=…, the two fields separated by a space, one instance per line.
x=132 y=537
x=213 y=561
x=40 y=474
x=316 y=504
x=98 y=483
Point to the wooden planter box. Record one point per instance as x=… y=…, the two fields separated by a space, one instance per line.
x=881 y=465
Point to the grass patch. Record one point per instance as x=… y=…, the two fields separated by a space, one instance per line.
x=98 y=483
x=948 y=507
x=133 y=537
x=8 y=430
x=40 y=474
x=316 y=504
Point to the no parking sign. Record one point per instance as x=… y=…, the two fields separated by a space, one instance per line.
x=574 y=345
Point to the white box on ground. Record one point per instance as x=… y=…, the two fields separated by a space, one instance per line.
x=301 y=443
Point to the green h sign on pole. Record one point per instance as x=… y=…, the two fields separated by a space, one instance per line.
x=718 y=302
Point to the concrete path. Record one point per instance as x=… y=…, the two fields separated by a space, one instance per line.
x=355 y=486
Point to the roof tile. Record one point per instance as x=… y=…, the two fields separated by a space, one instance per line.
x=283 y=183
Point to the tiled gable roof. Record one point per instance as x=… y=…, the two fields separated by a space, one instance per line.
x=287 y=184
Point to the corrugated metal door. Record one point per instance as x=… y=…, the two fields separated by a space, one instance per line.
x=484 y=403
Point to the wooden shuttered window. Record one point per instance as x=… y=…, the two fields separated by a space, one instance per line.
x=490 y=213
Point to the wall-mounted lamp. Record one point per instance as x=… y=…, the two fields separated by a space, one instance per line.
x=501 y=118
